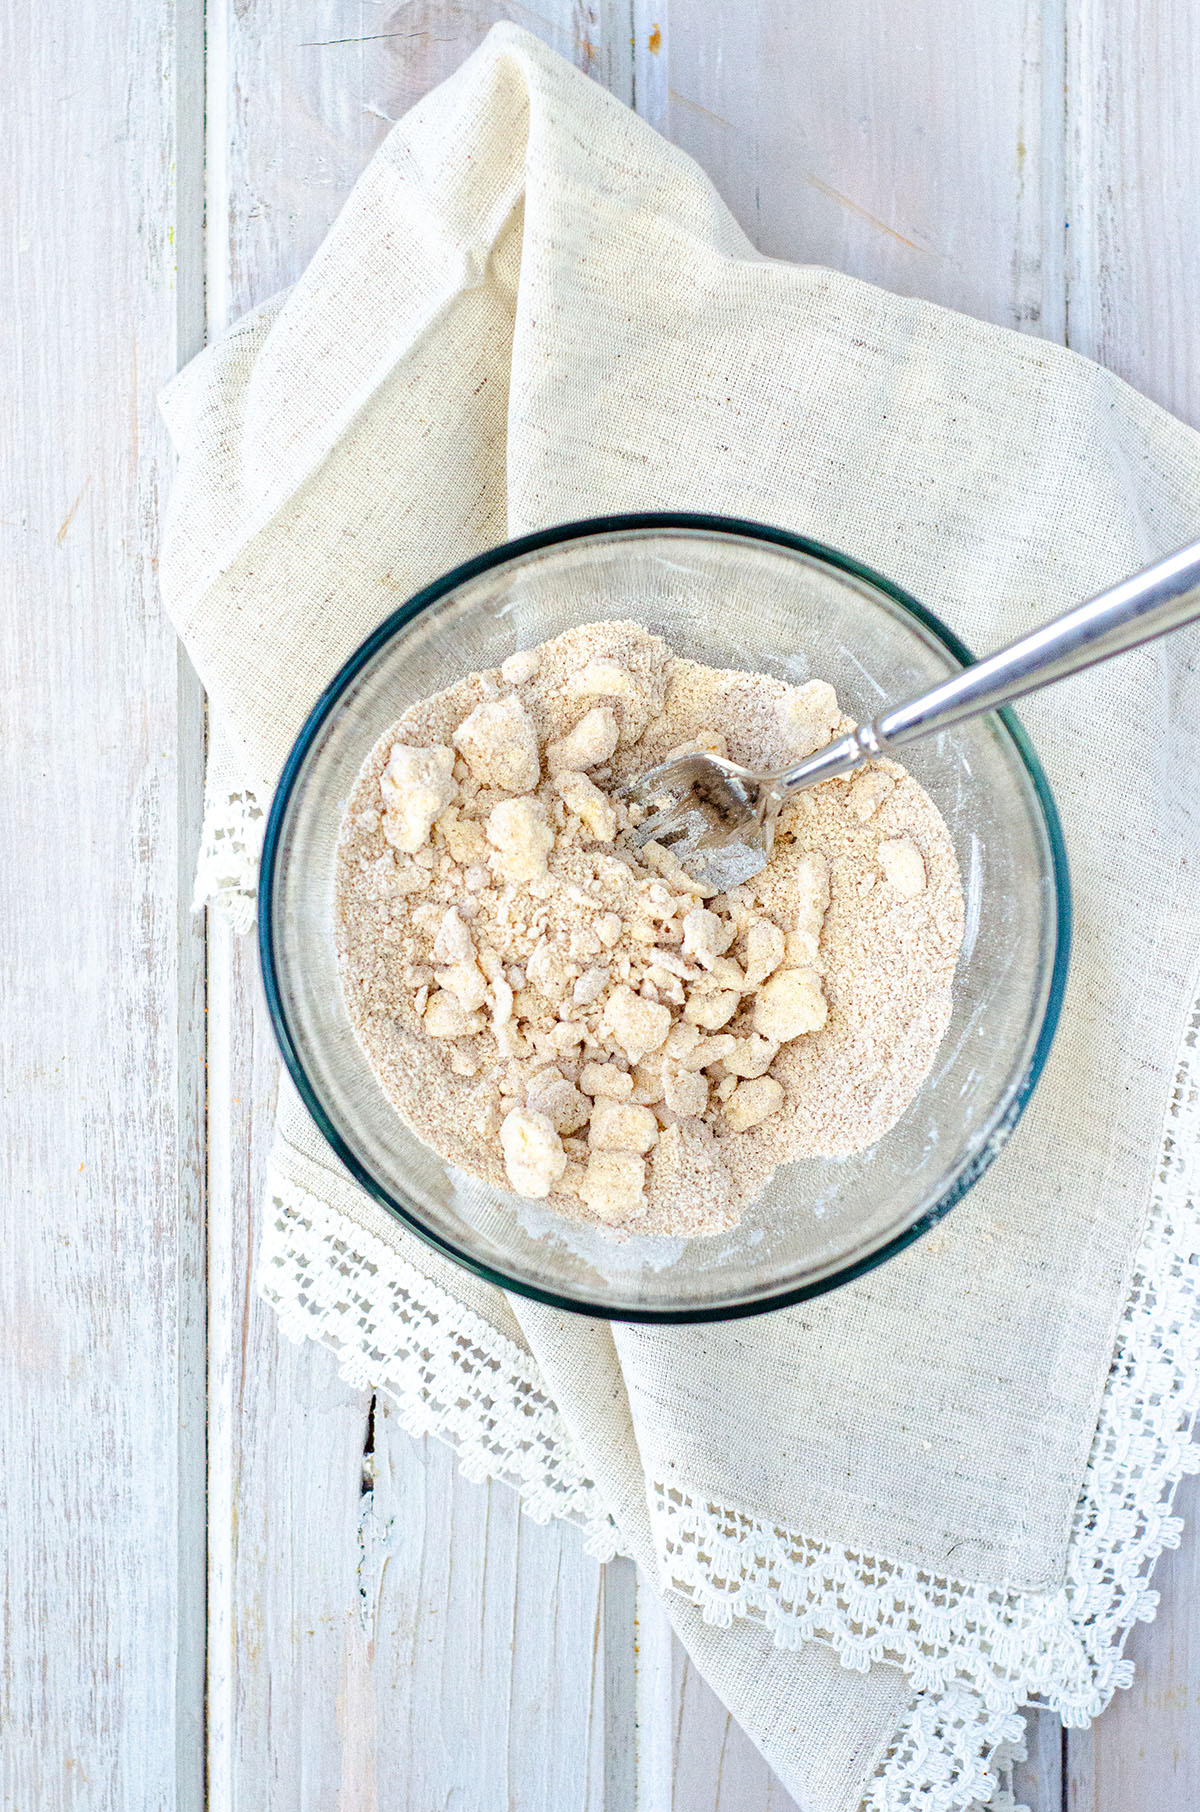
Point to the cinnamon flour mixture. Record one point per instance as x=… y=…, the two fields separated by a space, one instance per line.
x=564 y=1017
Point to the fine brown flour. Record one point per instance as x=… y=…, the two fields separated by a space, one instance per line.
x=560 y=1015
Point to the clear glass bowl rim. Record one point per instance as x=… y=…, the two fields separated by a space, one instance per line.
x=735 y=528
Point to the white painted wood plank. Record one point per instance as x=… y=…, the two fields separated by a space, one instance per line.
x=692 y=1754
x=101 y=1294
x=717 y=1767
x=1143 y=1755
x=1133 y=202
x=299 y=98
x=487 y=1676
x=1133 y=274
x=286 y=1440
x=909 y=155
x=383 y=1633
x=396 y=1638
x=286 y=1437
x=1039 y=1782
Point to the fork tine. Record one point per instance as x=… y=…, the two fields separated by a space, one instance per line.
x=680 y=828
x=645 y=831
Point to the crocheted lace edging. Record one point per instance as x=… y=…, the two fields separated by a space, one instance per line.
x=449 y=1372
x=231 y=841
x=973 y=1653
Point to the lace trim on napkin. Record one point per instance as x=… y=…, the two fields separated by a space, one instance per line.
x=939 y=1759
x=450 y=1373
x=231 y=841
x=976 y=1654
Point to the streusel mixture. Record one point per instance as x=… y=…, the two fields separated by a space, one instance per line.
x=570 y=1019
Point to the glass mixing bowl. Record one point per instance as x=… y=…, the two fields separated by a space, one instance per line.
x=731 y=594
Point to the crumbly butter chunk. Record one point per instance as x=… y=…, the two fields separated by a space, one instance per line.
x=867 y=792
x=665 y=863
x=465 y=981
x=706 y=742
x=685 y=1091
x=725 y=973
x=416 y=785
x=808 y=716
x=751 y=1056
x=712 y=1011
x=765 y=945
x=522 y=839
x=637 y=1025
x=648 y=1081
x=502 y=1001
x=665 y=985
x=608 y=679
x=561 y=1102
x=683 y=1040
x=499 y=744
x=789 y=1005
x=614 y=1184
x=904 y=866
x=810 y=879
x=453 y=943
x=606 y=1079
x=670 y=963
x=609 y=929
x=592 y=807
x=446 y=1017
x=520 y=668
x=621 y=1126
x=590 y=986
x=753 y=1102
x=534 y=1158
x=589 y=745
x=464 y=839
x=706 y=936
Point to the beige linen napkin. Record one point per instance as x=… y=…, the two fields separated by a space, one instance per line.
x=531 y=309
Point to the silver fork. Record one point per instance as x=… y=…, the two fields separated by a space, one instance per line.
x=717 y=819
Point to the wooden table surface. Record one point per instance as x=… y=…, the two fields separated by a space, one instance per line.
x=353 y=1627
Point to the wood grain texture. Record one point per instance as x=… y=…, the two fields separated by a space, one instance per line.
x=694 y=1757
x=486 y=1678
x=911 y=157
x=299 y=98
x=286 y=1441
x=1133 y=214
x=383 y=1634
x=1143 y=1755
x=1132 y=200
x=1040 y=1781
x=101 y=1287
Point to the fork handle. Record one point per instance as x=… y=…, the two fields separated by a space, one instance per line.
x=1151 y=603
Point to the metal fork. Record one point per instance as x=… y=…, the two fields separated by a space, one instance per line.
x=717 y=819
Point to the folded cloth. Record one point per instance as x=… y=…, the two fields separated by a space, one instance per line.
x=953 y=1474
